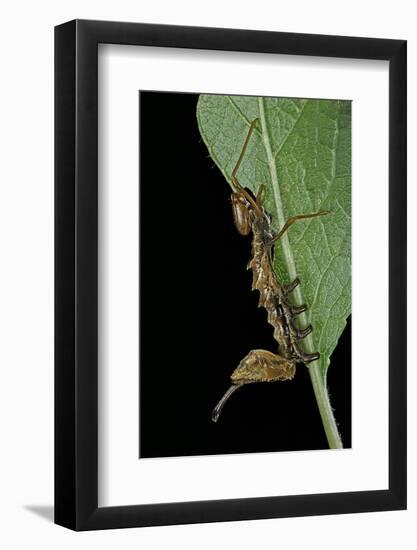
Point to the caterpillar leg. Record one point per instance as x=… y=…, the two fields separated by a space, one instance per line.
x=309 y=357
x=255 y=202
x=305 y=357
x=302 y=333
x=287 y=289
x=293 y=219
x=242 y=153
x=296 y=310
x=260 y=194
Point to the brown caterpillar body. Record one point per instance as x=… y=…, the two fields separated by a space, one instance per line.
x=262 y=365
x=273 y=295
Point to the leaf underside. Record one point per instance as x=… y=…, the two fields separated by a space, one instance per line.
x=301 y=151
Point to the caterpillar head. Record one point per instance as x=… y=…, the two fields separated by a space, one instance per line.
x=241 y=213
x=248 y=211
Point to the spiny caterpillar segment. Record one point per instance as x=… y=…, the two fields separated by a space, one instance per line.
x=261 y=365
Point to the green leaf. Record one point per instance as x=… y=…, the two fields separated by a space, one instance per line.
x=301 y=151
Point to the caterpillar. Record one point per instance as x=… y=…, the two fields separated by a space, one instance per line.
x=262 y=365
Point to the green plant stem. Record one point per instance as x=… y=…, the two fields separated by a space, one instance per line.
x=323 y=403
x=317 y=380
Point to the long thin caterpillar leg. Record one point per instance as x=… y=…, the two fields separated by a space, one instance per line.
x=293 y=219
x=235 y=181
x=260 y=194
x=218 y=408
x=245 y=144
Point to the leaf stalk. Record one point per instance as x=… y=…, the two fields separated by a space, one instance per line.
x=317 y=380
x=323 y=402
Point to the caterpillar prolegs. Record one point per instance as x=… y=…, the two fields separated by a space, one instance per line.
x=261 y=365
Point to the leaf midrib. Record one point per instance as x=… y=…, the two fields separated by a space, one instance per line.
x=288 y=255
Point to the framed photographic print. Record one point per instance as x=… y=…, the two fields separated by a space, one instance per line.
x=230 y=275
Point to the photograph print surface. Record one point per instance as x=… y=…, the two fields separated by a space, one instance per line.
x=245 y=274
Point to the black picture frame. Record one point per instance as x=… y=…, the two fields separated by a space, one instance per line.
x=76 y=271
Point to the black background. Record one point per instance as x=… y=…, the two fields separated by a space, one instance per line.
x=199 y=317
